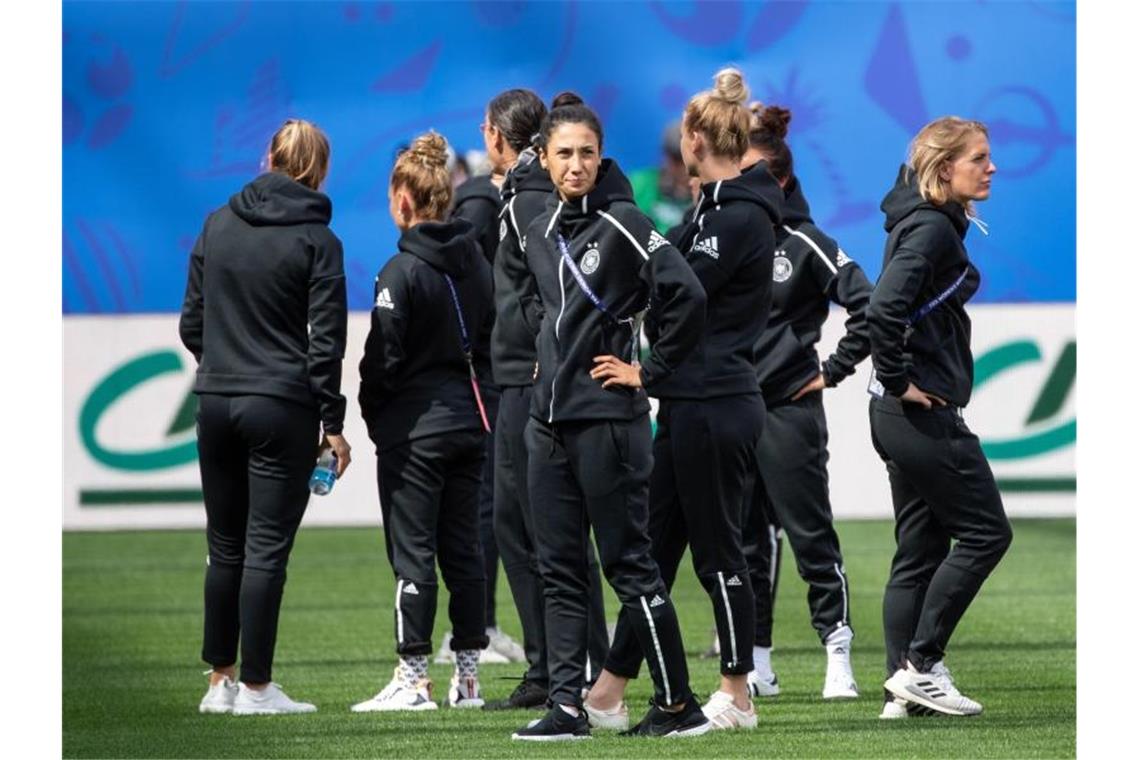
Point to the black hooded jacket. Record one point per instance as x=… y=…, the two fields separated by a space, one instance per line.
x=811 y=271
x=265 y=311
x=729 y=244
x=518 y=311
x=477 y=200
x=630 y=267
x=924 y=256
x=414 y=378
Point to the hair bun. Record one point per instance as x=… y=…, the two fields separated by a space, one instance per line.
x=429 y=149
x=729 y=85
x=775 y=120
x=566 y=98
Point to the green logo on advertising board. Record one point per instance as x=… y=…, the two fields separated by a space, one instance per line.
x=1046 y=432
x=178 y=450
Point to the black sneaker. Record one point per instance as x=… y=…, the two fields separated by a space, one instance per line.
x=688 y=721
x=556 y=726
x=528 y=695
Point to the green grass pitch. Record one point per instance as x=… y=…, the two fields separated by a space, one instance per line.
x=132 y=619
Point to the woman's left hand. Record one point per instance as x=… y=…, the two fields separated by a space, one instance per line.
x=613 y=371
x=815 y=384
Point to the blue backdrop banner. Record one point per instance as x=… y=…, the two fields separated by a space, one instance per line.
x=168 y=107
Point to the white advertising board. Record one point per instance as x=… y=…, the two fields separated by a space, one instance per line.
x=130 y=458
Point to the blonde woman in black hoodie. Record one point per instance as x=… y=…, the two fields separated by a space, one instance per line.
x=419 y=392
x=599 y=264
x=941 y=484
x=711 y=411
x=265 y=317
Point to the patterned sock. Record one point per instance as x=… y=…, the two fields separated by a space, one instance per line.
x=467 y=663
x=413 y=669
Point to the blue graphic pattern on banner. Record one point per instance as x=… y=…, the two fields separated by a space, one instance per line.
x=168 y=107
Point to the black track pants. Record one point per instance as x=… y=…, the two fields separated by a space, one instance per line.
x=703 y=454
x=943 y=490
x=514 y=532
x=792 y=488
x=487 y=509
x=255 y=454
x=763 y=550
x=595 y=473
x=429 y=496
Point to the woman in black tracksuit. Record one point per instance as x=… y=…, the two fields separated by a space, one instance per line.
x=420 y=396
x=711 y=411
x=810 y=273
x=265 y=317
x=599 y=264
x=477 y=200
x=941 y=484
x=513 y=118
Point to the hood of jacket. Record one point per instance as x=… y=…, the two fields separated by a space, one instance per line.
x=526 y=175
x=447 y=246
x=275 y=199
x=796 y=210
x=757 y=185
x=904 y=199
x=477 y=187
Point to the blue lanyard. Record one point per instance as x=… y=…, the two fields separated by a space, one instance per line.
x=939 y=299
x=564 y=249
x=459 y=313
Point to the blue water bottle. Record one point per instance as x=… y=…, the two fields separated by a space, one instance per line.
x=323 y=479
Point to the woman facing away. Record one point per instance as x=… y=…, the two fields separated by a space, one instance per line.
x=420 y=395
x=950 y=525
x=599 y=264
x=711 y=411
x=265 y=316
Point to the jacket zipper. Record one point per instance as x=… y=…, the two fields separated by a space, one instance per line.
x=557 y=322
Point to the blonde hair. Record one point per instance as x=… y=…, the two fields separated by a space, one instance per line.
x=720 y=114
x=300 y=150
x=422 y=171
x=938 y=143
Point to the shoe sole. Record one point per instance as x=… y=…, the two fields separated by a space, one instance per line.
x=841 y=695
x=409 y=708
x=466 y=704
x=685 y=733
x=903 y=692
x=270 y=711
x=553 y=738
x=212 y=710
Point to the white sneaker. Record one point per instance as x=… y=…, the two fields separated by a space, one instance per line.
x=269 y=701
x=616 y=719
x=488 y=656
x=839 y=683
x=464 y=692
x=723 y=714
x=220 y=697
x=894 y=710
x=935 y=690
x=396 y=696
x=504 y=645
x=763 y=687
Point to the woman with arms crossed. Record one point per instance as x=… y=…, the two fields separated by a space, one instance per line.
x=265 y=316
x=941 y=484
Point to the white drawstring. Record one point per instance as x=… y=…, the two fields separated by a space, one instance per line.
x=985 y=228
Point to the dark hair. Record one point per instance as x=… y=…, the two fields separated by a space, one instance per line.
x=568 y=108
x=769 y=128
x=517 y=114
